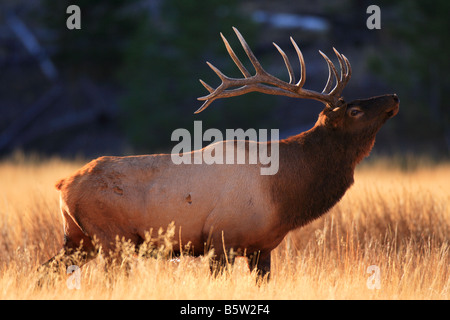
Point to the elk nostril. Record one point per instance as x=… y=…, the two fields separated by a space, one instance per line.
x=395 y=97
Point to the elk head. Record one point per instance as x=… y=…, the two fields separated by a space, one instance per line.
x=359 y=116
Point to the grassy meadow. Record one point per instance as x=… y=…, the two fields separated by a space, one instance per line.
x=394 y=219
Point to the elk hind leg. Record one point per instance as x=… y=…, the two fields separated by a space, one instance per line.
x=261 y=262
x=77 y=249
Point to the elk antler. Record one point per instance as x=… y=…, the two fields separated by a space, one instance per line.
x=266 y=83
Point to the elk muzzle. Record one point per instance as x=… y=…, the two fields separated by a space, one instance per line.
x=393 y=110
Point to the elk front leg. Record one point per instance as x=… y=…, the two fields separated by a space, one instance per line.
x=261 y=261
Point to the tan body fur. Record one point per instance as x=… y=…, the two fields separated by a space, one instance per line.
x=129 y=196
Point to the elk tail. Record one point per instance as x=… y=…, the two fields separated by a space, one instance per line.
x=59 y=184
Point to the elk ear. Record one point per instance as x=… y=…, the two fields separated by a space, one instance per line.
x=334 y=117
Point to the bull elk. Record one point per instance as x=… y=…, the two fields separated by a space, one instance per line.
x=128 y=196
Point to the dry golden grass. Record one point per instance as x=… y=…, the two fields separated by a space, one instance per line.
x=396 y=220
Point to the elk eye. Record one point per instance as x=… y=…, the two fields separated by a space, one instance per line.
x=354 y=112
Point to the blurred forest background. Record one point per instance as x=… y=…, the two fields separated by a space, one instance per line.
x=129 y=77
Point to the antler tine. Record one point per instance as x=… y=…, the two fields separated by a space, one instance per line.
x=287 y=63
x=217 y=71
x=259 y=69
x=331 y=67
x=327 y=87
x=341 y=63
x=204 y=105
x=207 y=86
x=302 y=80
x=235 y=58
x=349 y=69
x=345 y=74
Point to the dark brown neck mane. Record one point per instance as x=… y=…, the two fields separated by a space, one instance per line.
x=316 y=169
